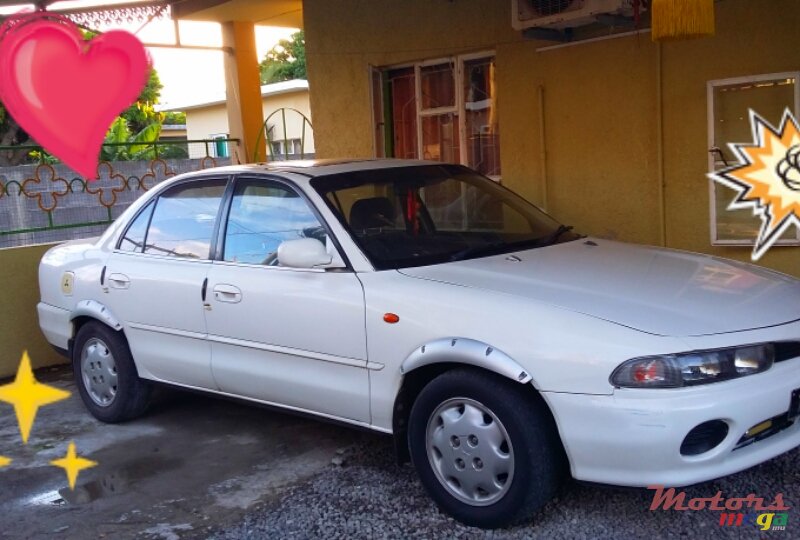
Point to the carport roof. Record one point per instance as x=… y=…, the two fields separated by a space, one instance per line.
x=287 y=13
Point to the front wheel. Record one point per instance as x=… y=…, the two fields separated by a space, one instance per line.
x=486 y=449
x=106 y=375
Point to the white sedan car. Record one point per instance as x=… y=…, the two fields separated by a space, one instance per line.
x=501 y=350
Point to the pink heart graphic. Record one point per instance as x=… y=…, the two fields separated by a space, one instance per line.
x=66 y=91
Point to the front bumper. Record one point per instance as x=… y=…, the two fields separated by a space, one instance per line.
x=633 y=437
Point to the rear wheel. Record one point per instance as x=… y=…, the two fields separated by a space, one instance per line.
x=486 y=449
x=106 y=375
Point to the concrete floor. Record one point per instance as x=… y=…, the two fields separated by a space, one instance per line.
x=199 y=467
x=191 y=463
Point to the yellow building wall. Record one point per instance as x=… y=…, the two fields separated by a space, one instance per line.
x=601 y=114
x=752 y=38
x=19 y=325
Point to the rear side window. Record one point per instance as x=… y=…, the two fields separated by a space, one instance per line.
x=133 y=241
x=183 y=220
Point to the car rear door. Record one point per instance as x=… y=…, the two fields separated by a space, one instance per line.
x=155 y=279
x=293 y=337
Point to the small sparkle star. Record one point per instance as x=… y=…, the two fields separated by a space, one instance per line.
x=73 y=464
x=4 y=461
x=26 y=394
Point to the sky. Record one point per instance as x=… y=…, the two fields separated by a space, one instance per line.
x=193 y=75
x=187 y=75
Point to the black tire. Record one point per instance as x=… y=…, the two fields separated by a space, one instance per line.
x=132 y=393
x=540 y=464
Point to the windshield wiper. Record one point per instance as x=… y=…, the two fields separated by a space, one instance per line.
x=487 y=249
x=553 y=236
x=476 y=250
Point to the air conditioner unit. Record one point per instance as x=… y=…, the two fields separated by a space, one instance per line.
x=564 y=13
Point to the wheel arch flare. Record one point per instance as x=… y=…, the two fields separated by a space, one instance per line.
x=95 y=310
x=466 y=351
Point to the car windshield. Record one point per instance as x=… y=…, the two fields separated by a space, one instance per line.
x=431 y=214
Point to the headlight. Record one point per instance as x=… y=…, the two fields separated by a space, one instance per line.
x=698 y=367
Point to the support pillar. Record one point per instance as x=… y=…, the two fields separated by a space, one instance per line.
x=243 y=85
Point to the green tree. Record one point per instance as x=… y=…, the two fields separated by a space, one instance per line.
x=141 y=114
x=126 y=145
x=11 y=135
x=285 y=61
x=175 y=118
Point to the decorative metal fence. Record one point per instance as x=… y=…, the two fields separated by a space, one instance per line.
x=289 y=135
x=42 y=200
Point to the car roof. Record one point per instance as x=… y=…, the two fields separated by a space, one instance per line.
x=321 y=167
x=299 y=172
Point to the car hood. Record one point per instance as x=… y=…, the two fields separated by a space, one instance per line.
x=654 y=290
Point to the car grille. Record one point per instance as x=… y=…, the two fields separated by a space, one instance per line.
x=786 y=350
x=778 y=424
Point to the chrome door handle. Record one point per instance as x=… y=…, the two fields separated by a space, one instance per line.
x=227 y=293
x=119 y=281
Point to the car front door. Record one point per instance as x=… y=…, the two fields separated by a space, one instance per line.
x=293 y=337
x=154 y=282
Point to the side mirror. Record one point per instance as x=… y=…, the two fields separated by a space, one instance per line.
x=303 y=253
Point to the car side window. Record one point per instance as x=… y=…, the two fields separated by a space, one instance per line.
x=263 y=214
x=183 y=220
x=133 y=240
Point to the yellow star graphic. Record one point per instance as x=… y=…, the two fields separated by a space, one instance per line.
x=26 y=394
x=73 y=464
x=4 y=461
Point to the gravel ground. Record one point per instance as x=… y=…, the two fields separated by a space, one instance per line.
x=369 y=496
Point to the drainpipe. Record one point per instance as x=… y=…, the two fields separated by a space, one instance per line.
x=543 y=147
x=662 y=206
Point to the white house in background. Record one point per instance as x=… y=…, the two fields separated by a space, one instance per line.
x=287 y=113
